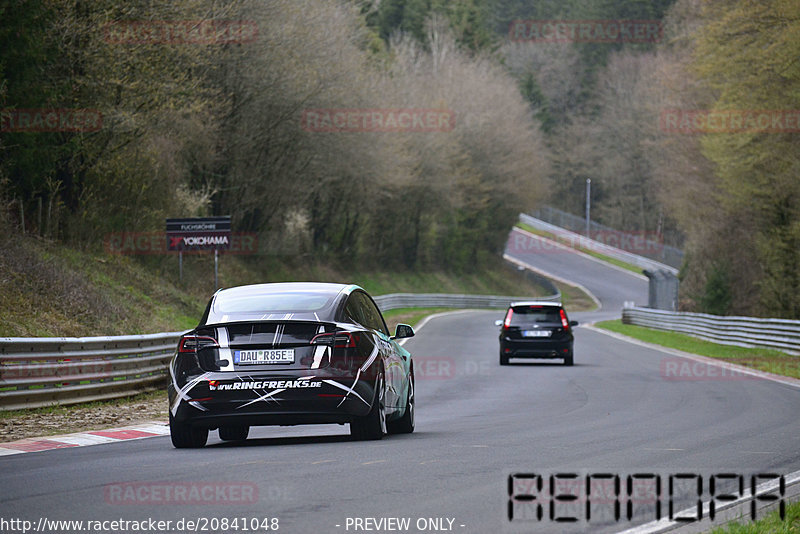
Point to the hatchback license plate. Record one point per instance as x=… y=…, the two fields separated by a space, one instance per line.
x=536 y=333
x=254 y=357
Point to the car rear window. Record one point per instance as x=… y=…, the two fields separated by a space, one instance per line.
x=535 y=314
x=275 y=302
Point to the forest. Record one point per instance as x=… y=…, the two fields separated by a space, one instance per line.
x=188 y=108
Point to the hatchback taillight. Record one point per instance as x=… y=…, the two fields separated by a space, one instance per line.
x=507 y=321
x=192 y=344
x=564 y=321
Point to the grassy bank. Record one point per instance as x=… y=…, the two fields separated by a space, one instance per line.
x=771 y=361
x=47 y=289
x=772 y=523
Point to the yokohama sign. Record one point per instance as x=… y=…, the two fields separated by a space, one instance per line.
x=207 y=233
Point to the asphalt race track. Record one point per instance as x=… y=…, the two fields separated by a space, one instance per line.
x=616 y=411
x=612 y=286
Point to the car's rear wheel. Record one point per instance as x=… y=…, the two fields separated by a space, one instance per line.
x=405 y=425
x=503 y=359
x=186 y=436
x=373 y=425
x=233 y=433
x=568 y=359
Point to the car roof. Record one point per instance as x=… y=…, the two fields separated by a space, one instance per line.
x=332 y=295
x=555 y=304
x=282 y=287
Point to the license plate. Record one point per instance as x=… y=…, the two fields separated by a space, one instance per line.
x=254 y=357
x=536 y=333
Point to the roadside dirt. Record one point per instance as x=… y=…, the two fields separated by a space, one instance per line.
x=96 y=416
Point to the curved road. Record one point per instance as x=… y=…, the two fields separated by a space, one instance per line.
x=616 y=410
x=611 y=285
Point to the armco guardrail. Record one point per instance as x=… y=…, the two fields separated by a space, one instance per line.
x=780 y=334
x=655 y=250
x=579 y=240
x=38 y=372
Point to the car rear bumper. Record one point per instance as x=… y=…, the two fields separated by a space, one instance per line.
x=219 y=399
x=535 y=349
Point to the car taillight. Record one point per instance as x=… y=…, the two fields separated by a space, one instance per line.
x=564 y=321
x=338 y=340
x=507 y=321
x=192 y=344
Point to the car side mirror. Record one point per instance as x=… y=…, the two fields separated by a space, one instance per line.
x=498 y=322
x=403 y=331
x=573 y=323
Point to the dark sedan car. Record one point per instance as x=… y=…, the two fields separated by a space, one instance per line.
x=289 y=354
x=538 y=329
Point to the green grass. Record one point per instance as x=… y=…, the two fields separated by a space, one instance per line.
x=496 y=278
x=593 y=253
x=768 y=360
x=771 y=523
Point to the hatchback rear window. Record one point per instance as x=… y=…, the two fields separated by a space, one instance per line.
x=535 y=314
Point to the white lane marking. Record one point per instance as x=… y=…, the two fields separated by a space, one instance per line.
x=85 y=439
x=155 y=428
x=425 y=321
x=789 y=381
x=665 y=525
x=82 y=439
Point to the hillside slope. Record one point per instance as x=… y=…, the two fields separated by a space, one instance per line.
x=48 y=289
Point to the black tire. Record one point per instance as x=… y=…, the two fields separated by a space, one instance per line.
x=503 y=359
x=405 y=425
x=568 y=359
x=373 y=425
x=233 y=433
x=186 y=436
